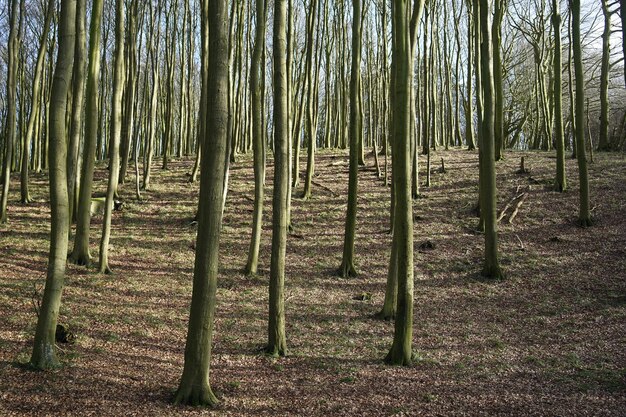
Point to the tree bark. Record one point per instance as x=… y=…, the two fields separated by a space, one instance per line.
x=80 y=253
x=44 y=350
x=116 y=132
x=277 y=343
x=194 y=387
x=9 y=128
x=347 y=268
x=491 y=266
x=584 y=215
x=561 y=181
x=401 y=349
x=258 y=145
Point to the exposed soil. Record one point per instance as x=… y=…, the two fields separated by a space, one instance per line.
x=548 y=340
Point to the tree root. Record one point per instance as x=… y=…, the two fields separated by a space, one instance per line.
x=347 y=270
x=195 y=395
x=80 y=259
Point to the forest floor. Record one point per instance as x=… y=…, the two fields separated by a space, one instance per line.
x=548 y=340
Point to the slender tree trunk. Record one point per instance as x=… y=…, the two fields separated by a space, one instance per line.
x=44 y=351
x=116 y=132
x=603 y=144
x=347 y=268
x=401 y=349
x=194 y=387
x=491 y=266
x=35 y=103
x=469 y=109
x=258 y=145
x=622 y=13
x=78 y=89
x=500 y=140
x=80 y=253
x=128 y=123
x=311 y=98
x=584 y=215
x=561 y=182
x=277 y=343
x=9 y=128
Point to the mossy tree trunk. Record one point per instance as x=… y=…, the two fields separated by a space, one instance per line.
x=498 y=73
x=153 y=52
x=491 y=266
x=116 y=133
x=401 y=349
x=311 y=98
x=584 y=215
x=469 y=106
x=258 y=136
x=130 y=102
x=80 y=253
x=44 y=350
x=35 y=103
x=347 y=268
x=9 y=126
x=622 y=13
x=78 y=90
x=561 y=181
x=603 y=144
x=277 y=342
x=194 y=387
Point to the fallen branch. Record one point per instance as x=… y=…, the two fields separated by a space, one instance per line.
x=324 y=187
x=517 y=206
x=506 y=207
x=521 y=244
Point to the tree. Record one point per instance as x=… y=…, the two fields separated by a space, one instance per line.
x=116 y=131
x=9 y=133
x=469 y=107
x=312 y=83
x=584 y=215
x=35 y=108
x=561 y=182
x=622 y=13
x=499 y=105
x=491 y=266
x=277 y=342
x=258 y=136
x=347 y=268
x=603 y=143
x=402 y=69
x=44 y=350
x=194 y=387
x=78 y=89
x=80 y=253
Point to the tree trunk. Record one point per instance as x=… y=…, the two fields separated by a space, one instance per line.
x=80 y=253
x=603 y=144
x=584 y=215
x=194 y=387
x=258 y=145
x=311 y=98
x=277 y=344
x=347 y=268
x=491 y=266
x=44 y=351
x=499 y=6
x=561 y=182
x=401 y=349
x=78 y=90
x=116 y=132
x=9 y=128
x=35 y=103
